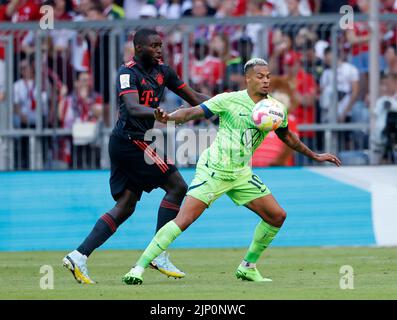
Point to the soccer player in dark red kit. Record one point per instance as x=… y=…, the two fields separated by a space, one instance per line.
x=140 y=87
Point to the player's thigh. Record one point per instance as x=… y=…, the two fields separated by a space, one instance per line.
x=268 y=209
x=175 y=184
x=206 y=186
x=247 y=188
x=191 y=209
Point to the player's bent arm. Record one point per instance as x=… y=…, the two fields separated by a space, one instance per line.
x=135 y=109
x=292 y=141
x=187 y=114
x=191 y=96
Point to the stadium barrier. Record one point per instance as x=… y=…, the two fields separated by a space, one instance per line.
x=346 y=206
x=78 y=55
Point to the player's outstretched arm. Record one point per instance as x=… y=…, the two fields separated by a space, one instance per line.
x=135 y=109
x=179 y=116
x=291 y=140
x=191 y=96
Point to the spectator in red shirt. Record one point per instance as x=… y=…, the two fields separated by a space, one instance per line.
x=3 y=12
x=304 y=88
x=206 y=70
x=24 y=10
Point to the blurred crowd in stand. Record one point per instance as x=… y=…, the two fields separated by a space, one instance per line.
x=76 y=64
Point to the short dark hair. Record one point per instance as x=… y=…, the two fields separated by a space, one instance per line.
x=254 y=62
x=142 y=35
x=327 y=50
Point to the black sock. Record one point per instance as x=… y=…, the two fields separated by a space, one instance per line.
x=103 y=229
x=167 y=212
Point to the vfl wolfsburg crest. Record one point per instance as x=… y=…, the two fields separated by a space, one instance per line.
x=250 y=137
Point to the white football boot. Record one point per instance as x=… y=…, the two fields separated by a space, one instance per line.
x=163 y=264
x=77 y=264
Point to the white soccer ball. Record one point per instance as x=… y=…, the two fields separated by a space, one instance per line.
x=268 y=115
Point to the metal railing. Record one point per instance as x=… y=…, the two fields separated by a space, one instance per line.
x=107 y=43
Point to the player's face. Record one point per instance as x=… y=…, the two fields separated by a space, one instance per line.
x=152 y=50
x=258 y=79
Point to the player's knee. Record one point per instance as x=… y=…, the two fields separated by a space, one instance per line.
x=182 y=189
x=281 y=216
x=179 y=191
x=122 y=213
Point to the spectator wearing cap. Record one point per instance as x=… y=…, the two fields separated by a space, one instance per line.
x=173 y=9
x=148 y=11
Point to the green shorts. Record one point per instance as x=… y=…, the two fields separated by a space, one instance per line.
x=208 y=185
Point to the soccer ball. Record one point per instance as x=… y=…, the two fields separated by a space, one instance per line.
x=268 y=115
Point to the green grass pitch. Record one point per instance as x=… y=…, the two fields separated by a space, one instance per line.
x=297 y=273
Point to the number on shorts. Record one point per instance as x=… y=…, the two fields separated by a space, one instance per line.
x=257 y=183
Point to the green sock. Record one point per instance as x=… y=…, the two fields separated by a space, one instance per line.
x=263 y=236
x=163 y=238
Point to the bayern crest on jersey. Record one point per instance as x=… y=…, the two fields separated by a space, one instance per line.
x=160 y=79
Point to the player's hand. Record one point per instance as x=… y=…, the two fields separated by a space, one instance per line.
x=328 y=157
x=160 y=115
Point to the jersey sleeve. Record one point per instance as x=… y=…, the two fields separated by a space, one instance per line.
x=172 y=81
x=216 y=105
x=284 y=124
x=126 y=81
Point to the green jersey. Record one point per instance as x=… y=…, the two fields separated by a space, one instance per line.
x=237 y=136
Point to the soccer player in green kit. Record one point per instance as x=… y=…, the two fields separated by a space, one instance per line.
x=224 y=168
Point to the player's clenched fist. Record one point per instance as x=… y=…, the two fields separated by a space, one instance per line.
x=160 y=115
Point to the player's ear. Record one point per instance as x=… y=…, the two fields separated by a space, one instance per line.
x=246 y=77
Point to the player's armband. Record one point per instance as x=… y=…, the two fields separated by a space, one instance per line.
x=207 y=112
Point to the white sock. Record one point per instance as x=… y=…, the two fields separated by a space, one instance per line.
x=161 y=254
x=139 y=269
x=78 y=255
x=247 y=264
